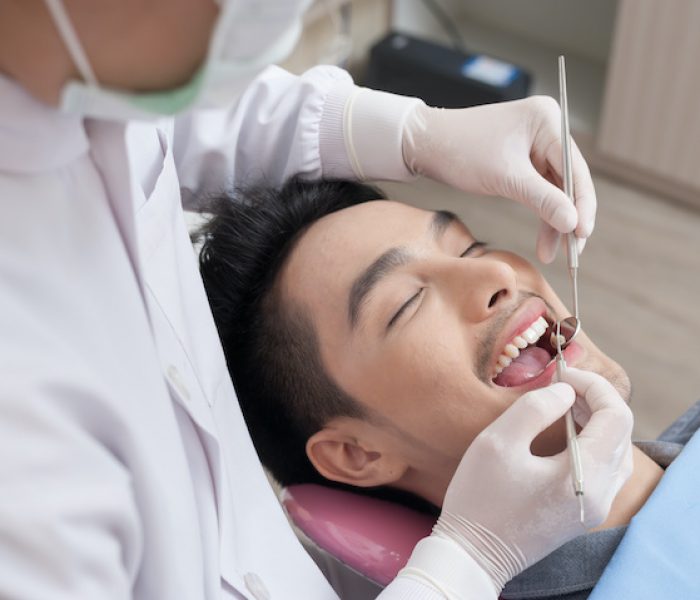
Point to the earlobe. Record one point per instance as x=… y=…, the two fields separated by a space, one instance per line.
x=346 y=459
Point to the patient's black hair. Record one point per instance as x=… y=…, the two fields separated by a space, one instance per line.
x=271 y=346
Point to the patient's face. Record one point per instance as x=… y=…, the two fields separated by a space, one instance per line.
x=412 y=319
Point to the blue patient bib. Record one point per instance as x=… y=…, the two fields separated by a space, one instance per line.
x=659 y=556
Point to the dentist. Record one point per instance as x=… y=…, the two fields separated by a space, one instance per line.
x=126 y=470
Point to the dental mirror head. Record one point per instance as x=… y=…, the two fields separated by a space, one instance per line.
x=566 y=329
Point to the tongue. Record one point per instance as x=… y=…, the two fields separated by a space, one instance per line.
x=529 y=364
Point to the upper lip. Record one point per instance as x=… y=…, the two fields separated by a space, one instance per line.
x=531 y=310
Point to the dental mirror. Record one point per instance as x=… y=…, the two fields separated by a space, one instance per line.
x=568 y=330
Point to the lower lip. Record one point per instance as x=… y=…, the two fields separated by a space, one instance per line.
x=571 y=353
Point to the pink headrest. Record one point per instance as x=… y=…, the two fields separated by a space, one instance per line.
x=373 y=536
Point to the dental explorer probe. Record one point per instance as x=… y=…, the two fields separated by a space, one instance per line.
x=571 y=250
x=572 y=260
x=571 y=440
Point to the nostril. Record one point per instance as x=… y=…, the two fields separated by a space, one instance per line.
x=496 y=296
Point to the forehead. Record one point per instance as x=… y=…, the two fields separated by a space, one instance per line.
x=335 y=249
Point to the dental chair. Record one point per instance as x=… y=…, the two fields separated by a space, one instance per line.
x=360 y=543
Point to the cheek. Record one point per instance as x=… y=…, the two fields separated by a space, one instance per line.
x=426 y=386
x=412 y=376
x=599 y=362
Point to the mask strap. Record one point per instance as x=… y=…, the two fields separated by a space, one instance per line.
x=70 y=39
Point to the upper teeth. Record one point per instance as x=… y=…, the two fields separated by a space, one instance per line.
x=512 y=349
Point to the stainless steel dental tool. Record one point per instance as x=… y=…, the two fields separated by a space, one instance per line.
x=571 y=251
x=572 y=324
x=571 y=440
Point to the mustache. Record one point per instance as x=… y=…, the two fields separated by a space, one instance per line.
x=487 y=344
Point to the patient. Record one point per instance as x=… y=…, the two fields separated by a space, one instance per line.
x=370 y=342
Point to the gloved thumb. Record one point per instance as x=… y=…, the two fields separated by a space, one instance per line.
x=547 y=243
x=611 y=420
x=532 y=413
x=547 y=200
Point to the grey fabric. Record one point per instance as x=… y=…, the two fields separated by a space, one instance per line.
x=575 y=567
x=570 y=572
x=683 y=428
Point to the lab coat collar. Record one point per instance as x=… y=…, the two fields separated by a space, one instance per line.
x=35 y=137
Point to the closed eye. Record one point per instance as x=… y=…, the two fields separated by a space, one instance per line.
x=401 y=310
x=469 y=251
x=472 y=248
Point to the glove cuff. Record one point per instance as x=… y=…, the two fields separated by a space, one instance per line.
x=444 y=566
x=495 y=557
x=373 y=126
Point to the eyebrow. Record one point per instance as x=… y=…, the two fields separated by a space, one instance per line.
x=388 y=262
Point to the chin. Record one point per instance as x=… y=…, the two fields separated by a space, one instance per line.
x=621 y=382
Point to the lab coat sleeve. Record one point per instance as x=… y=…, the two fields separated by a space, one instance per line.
x=316 y=125
x=68 y=522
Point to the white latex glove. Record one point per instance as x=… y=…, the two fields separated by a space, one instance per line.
x=510 y=149
x=508 y=508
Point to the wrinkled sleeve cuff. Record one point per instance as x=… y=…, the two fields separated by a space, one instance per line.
x=361 y=133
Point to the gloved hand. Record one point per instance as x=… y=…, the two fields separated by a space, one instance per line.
x=508 y=508
x=510 y=149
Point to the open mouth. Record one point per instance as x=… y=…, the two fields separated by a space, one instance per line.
x=526 y=356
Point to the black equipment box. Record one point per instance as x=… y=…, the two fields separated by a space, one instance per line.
x=441 y=76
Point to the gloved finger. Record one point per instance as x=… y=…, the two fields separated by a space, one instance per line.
x=607 y=478
x=547 y=243
x=531 y=414
x=626 y=468
x=611 y=419
x=547 y=200
x=583 y=188
x=584 y=192
x=581 y=411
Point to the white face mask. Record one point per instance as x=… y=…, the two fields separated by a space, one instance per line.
x=216 y=83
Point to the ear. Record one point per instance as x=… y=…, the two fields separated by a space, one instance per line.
x=352 y=452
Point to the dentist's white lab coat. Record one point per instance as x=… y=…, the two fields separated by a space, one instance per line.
x=126 y=469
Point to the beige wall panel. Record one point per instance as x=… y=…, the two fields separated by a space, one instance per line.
x=651 y=111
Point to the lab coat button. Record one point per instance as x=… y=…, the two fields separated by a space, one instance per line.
x=174 y=377
x=256 y=586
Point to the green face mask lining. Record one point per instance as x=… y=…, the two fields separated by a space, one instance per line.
x=170 y=102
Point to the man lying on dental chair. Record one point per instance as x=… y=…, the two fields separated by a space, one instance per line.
x=370 y=342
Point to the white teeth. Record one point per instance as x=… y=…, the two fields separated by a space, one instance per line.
x=519 y=342
x=540 y=325
x=511 y=350
x=530 y=335
x=504 y=360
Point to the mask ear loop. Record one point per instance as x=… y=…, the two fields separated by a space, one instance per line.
x=71 y=41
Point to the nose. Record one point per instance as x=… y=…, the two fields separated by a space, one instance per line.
x=481 y=287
